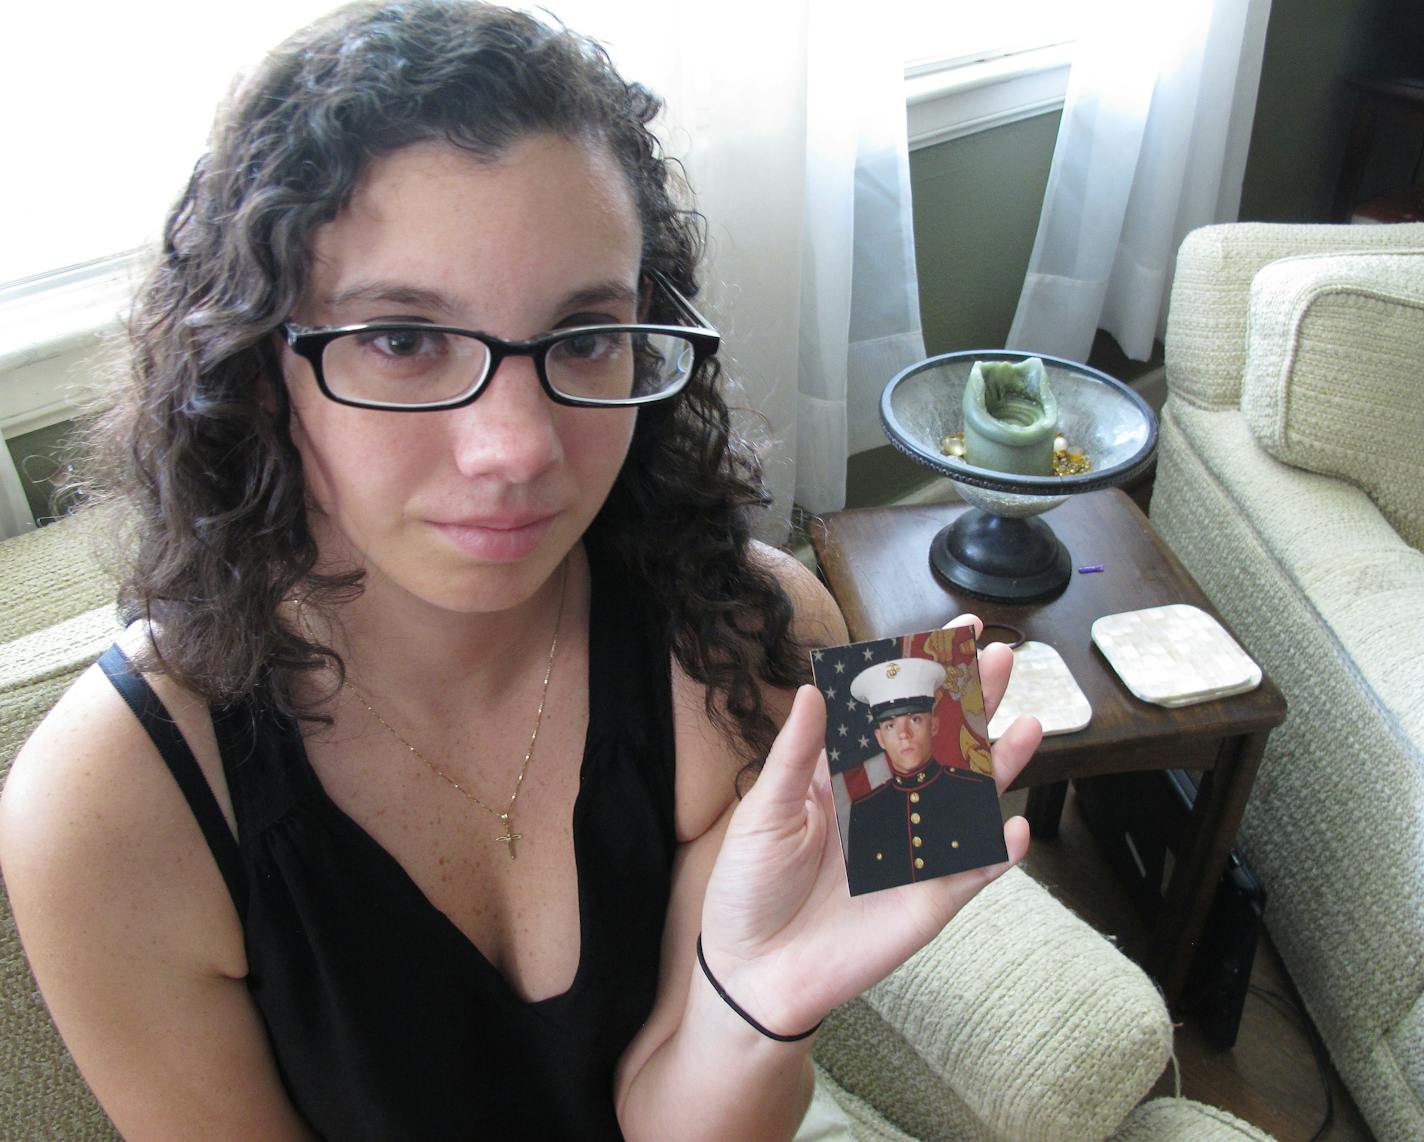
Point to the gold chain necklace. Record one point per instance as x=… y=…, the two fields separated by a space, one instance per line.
x=509 y=836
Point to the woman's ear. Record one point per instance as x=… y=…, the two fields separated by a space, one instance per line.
x=267 y=398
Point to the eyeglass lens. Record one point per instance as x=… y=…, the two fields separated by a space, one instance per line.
x=414 y=366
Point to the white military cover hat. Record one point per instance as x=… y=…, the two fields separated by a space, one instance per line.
x=900 y=686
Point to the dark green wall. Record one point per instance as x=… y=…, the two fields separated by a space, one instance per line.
x=1303 y=109
x=977 y=201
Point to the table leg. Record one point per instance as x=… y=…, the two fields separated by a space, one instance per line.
x=1044 y=808
x=1210 y=832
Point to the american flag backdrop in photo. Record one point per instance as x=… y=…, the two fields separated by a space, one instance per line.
x=857 y=763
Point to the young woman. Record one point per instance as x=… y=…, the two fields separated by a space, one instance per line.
x=408 y=804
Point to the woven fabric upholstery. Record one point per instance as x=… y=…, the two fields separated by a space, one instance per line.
x=1329 y=597
x=1206 y=317
x=1331 y=603
x=882 y=1084
x=1033 y=1062
x=53 y=573
x=1332 y=381
x=867 y=1124
x=1182 y=1120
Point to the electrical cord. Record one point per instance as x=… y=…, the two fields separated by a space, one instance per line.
x=1317 y=1048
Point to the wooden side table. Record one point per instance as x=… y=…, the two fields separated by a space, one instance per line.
x=876 y=563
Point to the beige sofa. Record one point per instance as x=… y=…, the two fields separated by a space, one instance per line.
x=1290 y=482
x=1019 y=1023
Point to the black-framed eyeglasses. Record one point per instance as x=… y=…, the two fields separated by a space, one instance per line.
x=412 y=366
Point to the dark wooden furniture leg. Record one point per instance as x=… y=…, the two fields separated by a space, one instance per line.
x=1210 y=832
x=1358 y=145
x=1044 y=808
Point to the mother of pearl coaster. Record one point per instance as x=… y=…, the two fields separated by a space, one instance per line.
x=1041 y=685
x=1175 y=655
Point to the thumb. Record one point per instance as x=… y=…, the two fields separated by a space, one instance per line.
x=786 y=776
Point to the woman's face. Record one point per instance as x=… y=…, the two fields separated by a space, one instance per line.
x=468 y=509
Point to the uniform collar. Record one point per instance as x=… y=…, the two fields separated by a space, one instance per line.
x=919 y=779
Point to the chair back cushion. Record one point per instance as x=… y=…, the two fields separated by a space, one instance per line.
x=1333 y=381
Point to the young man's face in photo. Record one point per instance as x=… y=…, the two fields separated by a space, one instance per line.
x=907 y=739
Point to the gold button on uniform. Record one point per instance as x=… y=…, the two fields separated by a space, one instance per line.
x=919 y=862
x=879 y=856
x=954 y=844
x=916 y=842
x=914 y=798
x=914 y=818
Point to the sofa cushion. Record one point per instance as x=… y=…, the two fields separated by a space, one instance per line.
x=1182 y=1120
x=1206 y=320
x=1330 y=599
x=1035 y=1063
x=54 y=572
x=37 y=668
x=1332 y=374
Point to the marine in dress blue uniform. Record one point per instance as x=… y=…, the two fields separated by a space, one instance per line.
x=929 y=819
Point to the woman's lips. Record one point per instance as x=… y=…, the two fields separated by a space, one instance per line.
x=501 y=540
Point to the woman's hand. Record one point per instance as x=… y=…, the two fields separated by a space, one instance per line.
x=781 y=931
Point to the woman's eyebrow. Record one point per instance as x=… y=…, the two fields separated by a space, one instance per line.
x=601 y=293
x=397 y=293
x=434 y=302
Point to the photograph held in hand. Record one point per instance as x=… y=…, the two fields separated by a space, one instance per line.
x=908 y=749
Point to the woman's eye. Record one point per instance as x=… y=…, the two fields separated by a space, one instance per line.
x=586 y=345
x=401 y=342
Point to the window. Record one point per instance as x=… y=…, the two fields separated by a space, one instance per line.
x=945 y=33
x=970 y=67
x=106 y=107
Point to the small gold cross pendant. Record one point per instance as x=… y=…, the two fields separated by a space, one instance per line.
x=510 y=836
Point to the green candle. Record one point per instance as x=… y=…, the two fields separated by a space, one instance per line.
x=1010 y=417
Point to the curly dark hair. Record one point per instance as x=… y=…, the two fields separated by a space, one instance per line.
x=206 y=462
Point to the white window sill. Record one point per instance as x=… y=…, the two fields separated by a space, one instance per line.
x=67 y=315
x=958 y=99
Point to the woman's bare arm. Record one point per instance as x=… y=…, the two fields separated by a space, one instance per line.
x=767 y=888
x=130 y=931
x=755 y=1087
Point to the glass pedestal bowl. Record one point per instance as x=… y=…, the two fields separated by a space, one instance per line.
x=999 y=549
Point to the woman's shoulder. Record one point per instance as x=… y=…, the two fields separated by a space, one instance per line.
x=818 y=621
x=708 y=767
x=89 y=799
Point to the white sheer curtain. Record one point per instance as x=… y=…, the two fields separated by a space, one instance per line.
x=1152 y=144
x=790 y=119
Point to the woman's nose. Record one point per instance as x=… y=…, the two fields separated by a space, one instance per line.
x=511 y=430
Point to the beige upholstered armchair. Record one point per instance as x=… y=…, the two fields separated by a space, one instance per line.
x=1290 y=482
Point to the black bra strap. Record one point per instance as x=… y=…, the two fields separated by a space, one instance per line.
x=160 y=727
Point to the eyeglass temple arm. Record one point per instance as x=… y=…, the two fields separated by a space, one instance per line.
x=688 y=309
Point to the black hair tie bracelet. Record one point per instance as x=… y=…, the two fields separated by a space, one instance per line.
x=732 y=1003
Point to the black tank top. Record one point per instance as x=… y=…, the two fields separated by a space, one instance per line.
x=386 y=1022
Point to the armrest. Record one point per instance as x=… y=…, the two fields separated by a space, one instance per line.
x=1035 y=1021
x=1206 y=324
x=1331 y=378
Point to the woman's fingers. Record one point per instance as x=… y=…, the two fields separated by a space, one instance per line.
x=786 y=776
x=996 y=663
x=1013 y=751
